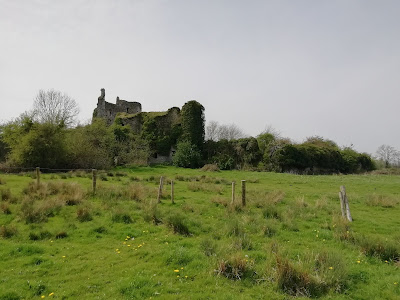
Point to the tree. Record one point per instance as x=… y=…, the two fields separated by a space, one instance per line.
x=187 y=155
x=55 y=107
x=212 y=131
x=34 y=144
x=216 y=132
x=388 y=154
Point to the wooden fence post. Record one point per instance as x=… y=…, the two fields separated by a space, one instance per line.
x=94 y=178
x=172 y=191
x=233 y=192
x=345 y=205
x=160 y=189
x=243 y=192
x=37 y=176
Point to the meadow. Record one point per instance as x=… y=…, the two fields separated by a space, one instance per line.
x=58 y=240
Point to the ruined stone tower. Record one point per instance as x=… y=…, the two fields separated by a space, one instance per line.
x=109 y=111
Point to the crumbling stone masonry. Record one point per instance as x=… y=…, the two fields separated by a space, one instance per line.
x=109 y=111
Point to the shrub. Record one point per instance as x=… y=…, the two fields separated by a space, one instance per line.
x=187 y=155
x=243 y=242
x=7 y=231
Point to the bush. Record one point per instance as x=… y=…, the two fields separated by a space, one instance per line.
x=187 y=155
x=40 y=236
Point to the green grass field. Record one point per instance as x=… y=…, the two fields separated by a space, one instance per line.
x=58 y=241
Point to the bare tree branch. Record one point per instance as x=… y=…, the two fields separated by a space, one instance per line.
x=55 y=107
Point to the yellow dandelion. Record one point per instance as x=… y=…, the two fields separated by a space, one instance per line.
x=63 y=256
x=330 y=268
x=186 y=276
x=182 y=268
x=395 y=283
x=43 y=296
x=386 y=261
x=176 y=271
x=51 y=294
x=177 y=275
x=358 y=261
x=119 y=252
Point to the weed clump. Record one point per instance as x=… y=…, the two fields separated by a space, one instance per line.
x=209 y=247
x=61 y=235
x=179 y=224
x=210 y=168
x=235 y=267
x=296 y=282
x=40 y=236
x=383 y=201
x=376 y=247
x=5 y=194
x=83 y=214
x=7 y=231
x=5 y=208
x=121 y=217
x=151 y=213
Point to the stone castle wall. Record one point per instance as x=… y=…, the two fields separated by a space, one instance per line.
x=109 y=111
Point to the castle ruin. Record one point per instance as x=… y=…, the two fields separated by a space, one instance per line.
x=160 y=129
x=109 y=111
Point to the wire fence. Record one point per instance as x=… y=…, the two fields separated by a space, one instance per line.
x=16 y=170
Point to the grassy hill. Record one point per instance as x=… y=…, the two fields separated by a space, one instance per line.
x=59 y=241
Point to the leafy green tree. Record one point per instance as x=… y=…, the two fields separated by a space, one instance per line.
x=91 y=146
x=187 y=155
x=192 y=115
x=34 y=144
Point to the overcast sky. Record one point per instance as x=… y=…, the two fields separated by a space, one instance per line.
x=327 y=68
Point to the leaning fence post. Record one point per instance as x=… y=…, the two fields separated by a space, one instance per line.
x=243 y=192
x=172 y=191
x=160 y=189
x=345 y=203
x=94 y=177
x=233 y=192
x=37 y=176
